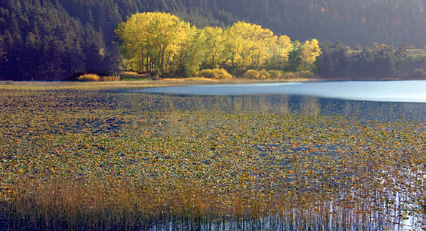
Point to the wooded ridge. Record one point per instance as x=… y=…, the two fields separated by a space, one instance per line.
x=51 y=39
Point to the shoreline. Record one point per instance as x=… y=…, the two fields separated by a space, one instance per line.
x=8 y=84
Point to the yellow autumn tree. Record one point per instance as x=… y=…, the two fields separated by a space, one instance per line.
x=151 y=41
x=205 y=49
x=187 y=58
x=309 y=53
x=133 y=35
x=280 y=48
x=212 y=40
x=248 y=46
x=161 y=43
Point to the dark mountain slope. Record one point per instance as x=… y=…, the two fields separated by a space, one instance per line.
x=52 y=39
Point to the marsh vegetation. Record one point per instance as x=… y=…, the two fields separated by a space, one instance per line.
x=84 y=157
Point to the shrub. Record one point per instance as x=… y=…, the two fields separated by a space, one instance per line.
x=215 y=74
x=254 y=74
x=251 y=74
x=420 y=72
x=95 y=77
x=276 y=74
x=264 y=74
x=88 y=77
x=305 y=74
x=288 y=75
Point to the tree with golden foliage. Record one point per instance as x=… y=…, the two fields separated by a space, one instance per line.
x=162 y=44
x=151 y=41
x=309 y=53
x=248 y=46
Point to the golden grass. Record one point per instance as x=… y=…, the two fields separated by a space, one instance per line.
x=191 y=79
x=74 y=156
x=134 y=84
x=89 y=77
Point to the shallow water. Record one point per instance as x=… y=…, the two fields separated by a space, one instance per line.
x=365 y=101
x=359 y=152
x=379 y=91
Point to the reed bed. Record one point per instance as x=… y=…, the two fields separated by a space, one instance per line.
x=91 y=159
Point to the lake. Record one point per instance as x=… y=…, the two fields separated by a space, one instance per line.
x=282 y=156
x=381 y=91
x=365 y=102
x=380 y=100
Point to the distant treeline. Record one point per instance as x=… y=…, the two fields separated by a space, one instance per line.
x=52 y=39
x=371 y=62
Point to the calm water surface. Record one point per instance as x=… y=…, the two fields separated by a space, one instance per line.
x=378 y=100
x=382 y=91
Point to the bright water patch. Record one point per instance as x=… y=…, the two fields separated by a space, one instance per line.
x=381 y=91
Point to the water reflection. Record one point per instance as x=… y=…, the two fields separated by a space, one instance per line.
x=345 y=149
x=280 y=104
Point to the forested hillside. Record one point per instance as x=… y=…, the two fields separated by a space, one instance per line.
x=52 y=39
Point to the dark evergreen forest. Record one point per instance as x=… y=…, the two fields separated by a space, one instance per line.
x=52 y=39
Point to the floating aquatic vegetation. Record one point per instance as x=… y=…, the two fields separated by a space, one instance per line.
x=106 y=160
